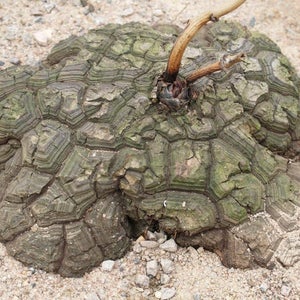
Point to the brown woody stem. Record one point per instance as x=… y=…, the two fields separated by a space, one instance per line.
x=192 y=28
x=225 y=62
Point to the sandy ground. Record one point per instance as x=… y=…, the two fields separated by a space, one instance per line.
x=28 y=31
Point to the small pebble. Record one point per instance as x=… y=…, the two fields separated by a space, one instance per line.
x=2 y=63
x=158 y=12
x=92 y=296
x=149 y=244
x=15 y=61
x=39 y=20
x=151 y=236
x=27 y=39
x=107 y=265
x=157 y=294
x=264 y=287
x=127 y=12
x=164 y=279
x=98 y=20
x=146 y=293
x=169 y=246
x=193 y=252
x=152 y=268
x=252 y=22
x=196 y=297
x=167 y=293
x=142 y=281
x=43 y=37
x=285 y=290
x=161 y=237
x=49 y=7
x=137 y=248
x=167 y=265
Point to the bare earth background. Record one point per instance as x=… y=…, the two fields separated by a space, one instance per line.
x=28 y=30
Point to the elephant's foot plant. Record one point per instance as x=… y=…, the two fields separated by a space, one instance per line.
x=103 y=141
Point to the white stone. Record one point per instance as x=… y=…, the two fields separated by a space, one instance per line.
x=149 y=244
x=107 y=265
x=161 y=237
x=167 y=293
x=43 y=37
x=169 y=246
x=167 y=265
x=127 y=12
x=152 y=268
x=151 y=236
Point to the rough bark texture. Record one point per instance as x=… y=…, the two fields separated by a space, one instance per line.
x=85 y=155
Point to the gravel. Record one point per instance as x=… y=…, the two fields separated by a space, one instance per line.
x=29 y=29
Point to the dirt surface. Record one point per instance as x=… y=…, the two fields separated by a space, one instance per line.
x=28 y=31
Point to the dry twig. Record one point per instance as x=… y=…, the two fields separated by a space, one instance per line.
x=193 y=27
x=224 y=63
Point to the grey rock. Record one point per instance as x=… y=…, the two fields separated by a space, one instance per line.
x=27 y=38
x=12 y=32
x=167 y=265
x=169 y=246
x=2 y=63
x=107 y=265
x=252 y=22
x=39 y=20
x=15 y=61
x=196 y=297
x=152 y=268
x=142 y=281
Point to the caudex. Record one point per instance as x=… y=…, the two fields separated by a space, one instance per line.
x=174 y=91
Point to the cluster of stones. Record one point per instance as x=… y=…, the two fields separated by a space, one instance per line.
x=85 y=156
x=153 y=265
